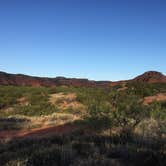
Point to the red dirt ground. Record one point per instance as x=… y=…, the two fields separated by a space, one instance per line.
x=40 y=132
x=151 y=99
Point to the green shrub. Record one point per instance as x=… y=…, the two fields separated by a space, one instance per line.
x=36 y=110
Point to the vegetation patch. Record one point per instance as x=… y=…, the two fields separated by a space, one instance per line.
x=83 y=126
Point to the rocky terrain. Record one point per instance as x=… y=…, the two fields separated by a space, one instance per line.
x=25 y=80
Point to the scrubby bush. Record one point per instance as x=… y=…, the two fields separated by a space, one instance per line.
x=146 y=89
x=107 y=108
x=158 y=110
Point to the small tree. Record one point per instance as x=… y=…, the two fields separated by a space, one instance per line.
x=129 y=113
x=100 y=115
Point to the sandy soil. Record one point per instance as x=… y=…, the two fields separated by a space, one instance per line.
x=66 y=101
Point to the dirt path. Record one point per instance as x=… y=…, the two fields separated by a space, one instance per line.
x=39 y=132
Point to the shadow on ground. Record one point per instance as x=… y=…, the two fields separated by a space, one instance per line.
x=69 y=145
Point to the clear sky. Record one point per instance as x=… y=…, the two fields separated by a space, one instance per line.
x=95 y=39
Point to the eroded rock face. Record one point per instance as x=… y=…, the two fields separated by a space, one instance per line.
x=21 y=80
x=24 y=80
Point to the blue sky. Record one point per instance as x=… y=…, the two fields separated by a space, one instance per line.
x=95 y=39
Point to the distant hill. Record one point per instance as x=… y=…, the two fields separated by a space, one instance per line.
x=151 y=77
x=25 y=80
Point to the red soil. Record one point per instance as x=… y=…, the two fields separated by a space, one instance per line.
x=39 y=132
x=158 y=97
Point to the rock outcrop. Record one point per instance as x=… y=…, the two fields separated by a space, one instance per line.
x=25 y=80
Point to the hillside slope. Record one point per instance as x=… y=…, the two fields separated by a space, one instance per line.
x=151 y=77
x=25 y=80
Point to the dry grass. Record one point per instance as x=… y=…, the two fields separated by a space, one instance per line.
x=122 y=89
x=50 y=120
x=62 y=101
x=56 y=123
x=7 y=110
x=23 y=101
x=66 y=101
